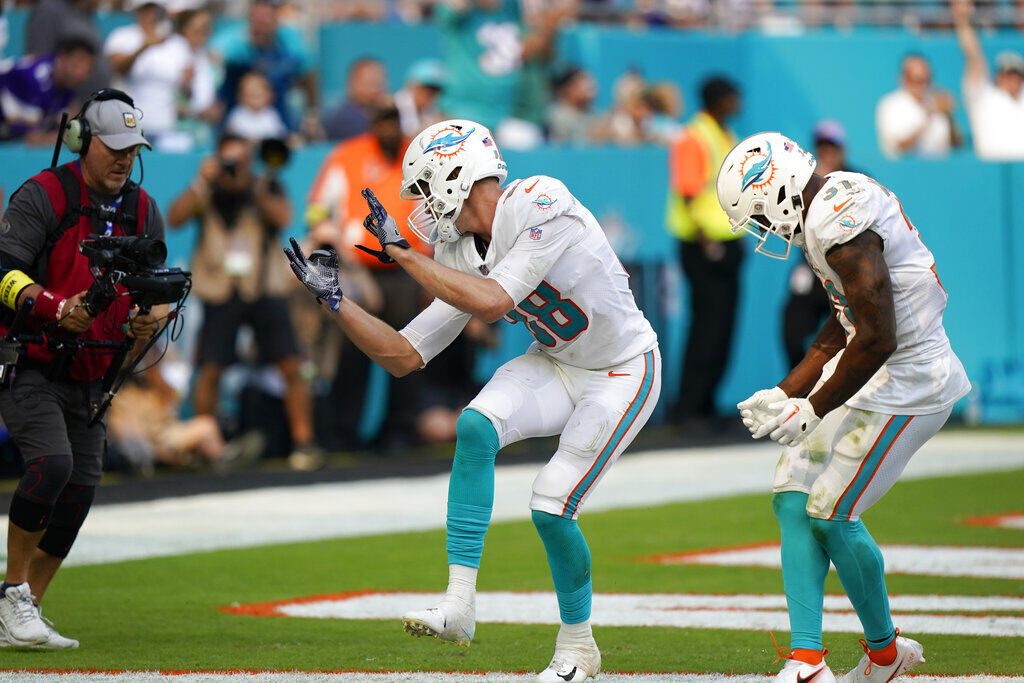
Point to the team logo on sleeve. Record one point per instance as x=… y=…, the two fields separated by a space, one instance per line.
x=848 y=222
x=757 y=168
x=448 y=142
x=543 y=201
x=535 y=233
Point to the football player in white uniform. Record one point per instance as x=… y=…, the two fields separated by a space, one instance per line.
x=879 y=380
x=532 y=254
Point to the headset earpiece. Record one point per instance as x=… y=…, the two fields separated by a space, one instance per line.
x=77 y=133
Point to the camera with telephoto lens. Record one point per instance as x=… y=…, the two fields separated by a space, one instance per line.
x=131 y=262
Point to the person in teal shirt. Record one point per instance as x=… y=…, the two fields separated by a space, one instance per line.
x=485 y=45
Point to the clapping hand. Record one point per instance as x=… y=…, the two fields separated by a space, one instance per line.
x=319 y=273
x=383 y=227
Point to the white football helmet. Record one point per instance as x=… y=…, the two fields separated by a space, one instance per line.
x=760 y=185
x=440 y=167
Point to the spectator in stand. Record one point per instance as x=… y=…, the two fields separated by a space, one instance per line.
x=917 y=119
x=279 y=53
x=627 y=120
x=666 y=105
x=366 y=85
x=485 y=44
x=35 y=90
x=254 y=117
x=570 y=118
x=126 y=44
x=52 y=21
x=336 y=213
x=417 y=100
x=710 y=253
x=241 y=280
x=168 y=75
x=995 y=106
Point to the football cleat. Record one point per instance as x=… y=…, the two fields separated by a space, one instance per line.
x=796 y=671
x=909 y=653
x=19 y=619
x=453 y=621
x=573 y=662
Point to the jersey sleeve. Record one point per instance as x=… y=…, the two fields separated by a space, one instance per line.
x=27 y=221
x=434 y=329
x=858 y=210
x=544 y=227
x=534 y=252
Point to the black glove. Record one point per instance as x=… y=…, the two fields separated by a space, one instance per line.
x=319 y=273
x=382 y=226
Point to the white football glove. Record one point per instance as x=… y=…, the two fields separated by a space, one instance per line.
x=794 y=420
x=755 y=411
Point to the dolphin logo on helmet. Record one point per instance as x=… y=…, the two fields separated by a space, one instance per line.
x=757 y=171
x=440 y=145
x=439 y=169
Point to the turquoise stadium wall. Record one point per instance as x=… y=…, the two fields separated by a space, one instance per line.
x=965 y=209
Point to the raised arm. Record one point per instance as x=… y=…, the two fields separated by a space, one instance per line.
x=481 y=297
x=975 y=64
x=379 y=341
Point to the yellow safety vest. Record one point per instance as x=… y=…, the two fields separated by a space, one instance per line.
x=704 y=209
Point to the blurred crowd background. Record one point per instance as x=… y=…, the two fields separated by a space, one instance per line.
x=267 y=117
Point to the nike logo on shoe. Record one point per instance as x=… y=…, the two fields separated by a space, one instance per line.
x=896 y=672
x=801 y=679
x=569 y=676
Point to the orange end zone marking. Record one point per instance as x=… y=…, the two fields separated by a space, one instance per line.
x=999 y=520
x=269 y=609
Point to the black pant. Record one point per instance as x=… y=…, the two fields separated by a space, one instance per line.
x=714 y=292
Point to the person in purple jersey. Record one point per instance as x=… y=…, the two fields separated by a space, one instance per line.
x=34 y=90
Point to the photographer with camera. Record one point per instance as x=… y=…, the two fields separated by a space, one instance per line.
x=48 y=401
x=241 y=280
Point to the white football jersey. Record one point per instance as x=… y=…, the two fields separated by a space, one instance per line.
x=551 y=256
x=923 y=375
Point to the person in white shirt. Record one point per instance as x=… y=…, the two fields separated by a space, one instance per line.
x=995 y=106
x=255 y=117
x=531 y=253
x=878 y=381
x=168 y=74
x=917 y=119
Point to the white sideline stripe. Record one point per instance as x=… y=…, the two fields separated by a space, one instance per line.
x=739 y=612
x=240 y=519
x=981 y=562
x=432 y=677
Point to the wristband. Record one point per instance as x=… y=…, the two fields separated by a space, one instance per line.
x=11 y=286
x=48 y=305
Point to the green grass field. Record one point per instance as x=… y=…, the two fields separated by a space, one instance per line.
x=164 y=613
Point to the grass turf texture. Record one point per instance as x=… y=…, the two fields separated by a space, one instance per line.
x=163 y=613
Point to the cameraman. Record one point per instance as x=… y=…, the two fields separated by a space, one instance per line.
x=45 y=414
x=241 y=280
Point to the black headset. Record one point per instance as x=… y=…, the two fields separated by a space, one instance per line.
x=77 y=134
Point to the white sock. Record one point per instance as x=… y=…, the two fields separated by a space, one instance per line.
x=462 y=583
x=574 y=633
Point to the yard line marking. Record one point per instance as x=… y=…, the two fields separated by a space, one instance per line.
x=960 y=615
x=242 y=519
x=974 y=561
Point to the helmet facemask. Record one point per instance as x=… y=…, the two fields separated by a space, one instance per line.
x=771 y=222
